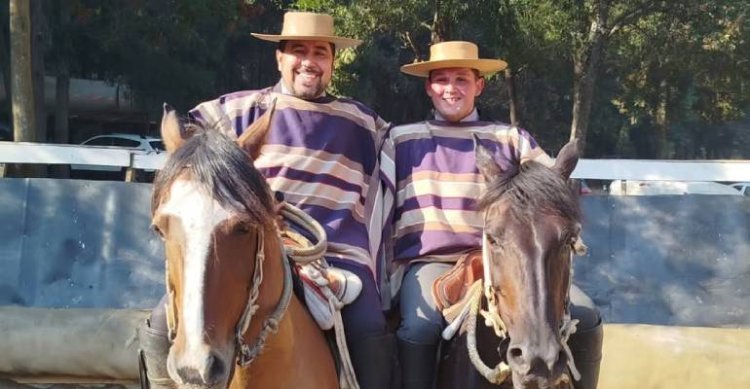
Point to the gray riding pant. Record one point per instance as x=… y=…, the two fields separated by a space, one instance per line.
x=422 y=322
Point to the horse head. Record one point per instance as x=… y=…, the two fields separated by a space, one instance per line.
x=215 y=214
x=532 y=228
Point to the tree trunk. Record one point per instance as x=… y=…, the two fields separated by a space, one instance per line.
x=586 y=63
x=21 y=88
x=510 y=81
x=37 y=69
x=440 y=28
x=5 y=67
x=62 y=134
x=661 y=119
x=62 y=86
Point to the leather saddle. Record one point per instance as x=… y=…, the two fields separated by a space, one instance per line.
x=450 y=288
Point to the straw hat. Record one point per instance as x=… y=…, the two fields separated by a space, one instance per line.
x=308 y=26
x=454 y=54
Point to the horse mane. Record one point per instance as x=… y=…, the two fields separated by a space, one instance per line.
x=223 y=169
x=533 y=187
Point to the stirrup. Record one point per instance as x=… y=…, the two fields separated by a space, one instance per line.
x=345 y=285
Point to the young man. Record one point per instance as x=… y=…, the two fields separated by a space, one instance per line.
x=432 y=184
x=321 y=154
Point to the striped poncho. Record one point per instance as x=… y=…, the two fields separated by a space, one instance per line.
x=432 y=186
x=322 y=155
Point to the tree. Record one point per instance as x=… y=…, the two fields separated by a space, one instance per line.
x=22 y=92
x=681 y=78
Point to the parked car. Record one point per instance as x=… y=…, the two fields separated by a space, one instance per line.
x=743 y=187
x=133 y=141
x=142 y=143
x=584 y=189
x=651 y=188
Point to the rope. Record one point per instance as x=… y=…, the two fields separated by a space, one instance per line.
x=305 y=254
x=494 y=375
x=313 y=256
x=569 y=326
x=347 y=379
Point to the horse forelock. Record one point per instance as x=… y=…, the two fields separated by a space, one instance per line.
x=532 y=188
x=217 y=165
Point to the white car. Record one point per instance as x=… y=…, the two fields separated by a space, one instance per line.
x=743 y=187
x=651 y=188
x=146 y=144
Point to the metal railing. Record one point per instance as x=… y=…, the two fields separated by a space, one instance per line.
x=599 y=169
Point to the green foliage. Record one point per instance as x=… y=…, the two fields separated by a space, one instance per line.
x=673 y=80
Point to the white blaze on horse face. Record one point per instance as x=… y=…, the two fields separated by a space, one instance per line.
x=199 y=213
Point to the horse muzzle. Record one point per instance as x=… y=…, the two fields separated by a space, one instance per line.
x=537 y=366
x=205 y=369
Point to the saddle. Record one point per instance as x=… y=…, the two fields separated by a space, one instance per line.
x=451 y=288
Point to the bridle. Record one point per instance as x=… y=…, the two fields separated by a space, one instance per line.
x=492 y=318
x=247 y=353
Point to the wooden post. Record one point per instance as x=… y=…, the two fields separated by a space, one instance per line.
x=130 y=172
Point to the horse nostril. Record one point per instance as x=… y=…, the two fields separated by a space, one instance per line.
x=215 y=370
x=561 y=362
x=517 y=358
x=189 y=376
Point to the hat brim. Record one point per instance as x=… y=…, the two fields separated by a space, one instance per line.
x=484 y=66
x=338 y=41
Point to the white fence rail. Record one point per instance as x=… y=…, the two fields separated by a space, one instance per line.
x=601 y=169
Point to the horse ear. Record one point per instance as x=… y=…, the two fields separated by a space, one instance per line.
x=567 y=159
x=255 y=135
x=171 y=130
x=485 y=162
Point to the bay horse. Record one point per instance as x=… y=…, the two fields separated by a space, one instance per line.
x=228 y=282
x=532 y=228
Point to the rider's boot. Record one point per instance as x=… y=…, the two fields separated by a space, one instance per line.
x=586 y=347
x=152 y=355
x=418 y=363
x=373 y=361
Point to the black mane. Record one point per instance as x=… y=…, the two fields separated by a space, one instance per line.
x=223 y=169
x=533 y=187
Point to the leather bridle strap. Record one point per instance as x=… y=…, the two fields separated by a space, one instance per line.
x=247 y=353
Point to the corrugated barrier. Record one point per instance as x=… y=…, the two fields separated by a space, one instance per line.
x=676 y=262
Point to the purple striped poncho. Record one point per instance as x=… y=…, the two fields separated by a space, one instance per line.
x=432 y=185
x=322 y=155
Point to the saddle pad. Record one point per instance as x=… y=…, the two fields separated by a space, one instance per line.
x=451 y=287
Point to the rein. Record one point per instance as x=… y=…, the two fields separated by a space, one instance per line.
x=247 y=353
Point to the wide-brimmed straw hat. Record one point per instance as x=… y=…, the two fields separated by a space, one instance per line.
x=308 y=26
x=454 y=54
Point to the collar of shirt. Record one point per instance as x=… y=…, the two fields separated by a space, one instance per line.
x=472 y=117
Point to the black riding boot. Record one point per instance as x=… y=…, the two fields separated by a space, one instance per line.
x=586 y=347
x=373 y=360
x=153 y=352
x=418 y=363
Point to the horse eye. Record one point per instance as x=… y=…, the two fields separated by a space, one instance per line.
x=491 y=240
x=241 y=228
x=157 y=230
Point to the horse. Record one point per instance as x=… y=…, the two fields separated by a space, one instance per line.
x=228 y=282
x=532 y=228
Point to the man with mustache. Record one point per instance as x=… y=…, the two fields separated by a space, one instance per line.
x=430 y=172
x=321 y=154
